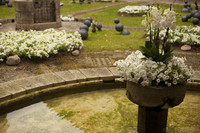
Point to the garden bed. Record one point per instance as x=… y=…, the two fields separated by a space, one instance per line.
x=123 y=14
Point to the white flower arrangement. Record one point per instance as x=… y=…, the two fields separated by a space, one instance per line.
x=38 y=43
x=67 y=18
x=139 y=69
x=183 y=35
x=135 y=9
x=155 y=64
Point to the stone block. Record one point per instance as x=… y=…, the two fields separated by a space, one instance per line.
x=114 y=71
x=24 y=5
x=78 y=75
x=14 y=88
x=196 y=76
x=67 y=76
x=104 y=74
x=28 y=84
x=54 y=79
x=43 y=81
x=4 y=95
x=90 y=74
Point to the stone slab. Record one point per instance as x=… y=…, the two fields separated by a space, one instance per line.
x=67 y=76
x=14 y=88
x=4 y=95
x=196 y=76
x=114 y=71
x=54 y=78
x=90 y=74
x=42 y=81
x=78 y=75
x=29 y=84
x=104 y=74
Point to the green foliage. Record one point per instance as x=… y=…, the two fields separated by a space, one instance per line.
x=67 y=114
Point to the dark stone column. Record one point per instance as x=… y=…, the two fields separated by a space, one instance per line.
x=152 y=120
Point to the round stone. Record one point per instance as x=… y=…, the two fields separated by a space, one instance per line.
x=84 y=27
x=125 y=32
x=189 y=7
x=189 y=16
x=83 y=33
x=194 y=11
x=99 y=26
x=89 y=18
x=185 y=5
x=119 y=27
x=184 y=19
x=116 y=20
x=87 y=22
x=13 y=60
x=186 y=47
x=75 y=52
x=9 y=5
x=195 y=21
x=197 y=15
x=185 y=10
x=0 y=24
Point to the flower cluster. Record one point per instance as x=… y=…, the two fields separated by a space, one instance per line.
x=67 y=18
x=139 y=69
x=158 y=19
x=38 y=43
x=183 y=35
x=135 y=9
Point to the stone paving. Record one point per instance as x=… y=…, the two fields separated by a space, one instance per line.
x=20 y=87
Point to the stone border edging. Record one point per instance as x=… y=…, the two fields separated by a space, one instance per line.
x=27 y=90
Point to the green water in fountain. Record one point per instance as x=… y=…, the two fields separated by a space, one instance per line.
x=105 y=111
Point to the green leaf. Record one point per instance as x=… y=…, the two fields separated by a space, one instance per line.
x=148 y=44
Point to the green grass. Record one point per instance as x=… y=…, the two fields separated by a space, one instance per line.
x=112 y=40
x=7 y=12
x=107 y=16
x=69 y=8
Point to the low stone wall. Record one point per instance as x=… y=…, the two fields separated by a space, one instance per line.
x=37 y=88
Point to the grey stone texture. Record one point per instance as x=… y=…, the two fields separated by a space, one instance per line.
x=104 y=74
x=90 y=74
x=75 y=52
x=37 y=15
x=13 y=60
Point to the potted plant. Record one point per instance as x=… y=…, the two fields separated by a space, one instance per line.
x=155 y=77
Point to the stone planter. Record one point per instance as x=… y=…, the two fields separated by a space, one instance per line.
x=153 y=105
x=161 y=96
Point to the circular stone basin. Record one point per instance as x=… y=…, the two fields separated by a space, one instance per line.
x=96 y=111
x=123 y=14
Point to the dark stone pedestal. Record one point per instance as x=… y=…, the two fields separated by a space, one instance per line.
x=152 y=120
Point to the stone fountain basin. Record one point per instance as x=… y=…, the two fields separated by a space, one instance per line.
x=155 y=96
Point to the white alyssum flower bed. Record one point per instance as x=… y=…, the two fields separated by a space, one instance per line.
x=134 y=9
x=139 y=69
x=38 y=43
x=67 y=18
x=183 y=35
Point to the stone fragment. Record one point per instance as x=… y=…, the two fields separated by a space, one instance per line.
x=13 y=60
x=61 y=4
x=186 y=47
x=75 y=52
